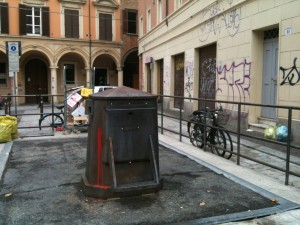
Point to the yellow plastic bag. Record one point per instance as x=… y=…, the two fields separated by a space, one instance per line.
x=5 y=130
x=270 y=132
x=8 y=128
x=14 y=126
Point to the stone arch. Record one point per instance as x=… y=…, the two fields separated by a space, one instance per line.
x=106 y=63
x=128 y=53
x=71 y=50
x=2 y=49
x=110 y=52
x=45 y=54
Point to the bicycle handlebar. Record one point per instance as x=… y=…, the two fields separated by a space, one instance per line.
x=208 y=110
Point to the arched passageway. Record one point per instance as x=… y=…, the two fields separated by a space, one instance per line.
x=131 y=70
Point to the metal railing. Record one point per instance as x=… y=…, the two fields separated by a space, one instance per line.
x=180 y=117
x=17 y=110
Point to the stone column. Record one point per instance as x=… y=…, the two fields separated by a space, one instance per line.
x=54 y=82
x=120 y=76
x=88 y=78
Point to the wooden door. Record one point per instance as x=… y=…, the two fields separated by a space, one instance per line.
x=207 y=75
x=36 y=80
x=179 y=79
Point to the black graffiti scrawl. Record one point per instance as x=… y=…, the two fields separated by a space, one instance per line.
x=290 y=75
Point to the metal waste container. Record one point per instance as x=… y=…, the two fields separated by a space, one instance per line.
x=122 y=152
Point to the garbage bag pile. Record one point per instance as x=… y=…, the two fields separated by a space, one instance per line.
x=8 y=128
x=279 y=133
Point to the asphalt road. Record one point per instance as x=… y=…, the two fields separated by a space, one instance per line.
x=41 y=185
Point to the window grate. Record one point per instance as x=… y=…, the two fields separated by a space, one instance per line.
x=271 y=34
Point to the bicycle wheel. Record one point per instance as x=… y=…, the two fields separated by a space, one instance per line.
x=49 y=121
x=217 y=140
x=229 y=145
x=196 y=135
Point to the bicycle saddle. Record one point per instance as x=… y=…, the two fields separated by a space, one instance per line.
x=60 y=106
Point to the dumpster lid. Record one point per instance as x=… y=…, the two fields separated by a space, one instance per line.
x=122 y=92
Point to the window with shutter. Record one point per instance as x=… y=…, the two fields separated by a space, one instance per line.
x=129 y=21
x=105 y=26
x=33 y=21
x=71 y=23
x=3 y=18
x=132 y=22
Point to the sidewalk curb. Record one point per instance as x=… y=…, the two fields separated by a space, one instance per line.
x=4 y=154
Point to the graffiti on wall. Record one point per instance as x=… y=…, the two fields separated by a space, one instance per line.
x=219 y=19
x=208 y=78
x=167 y=79
x=234 y=79
x=290 y=75
x=189 y=73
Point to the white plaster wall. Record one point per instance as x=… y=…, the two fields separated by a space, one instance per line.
x=235 y=26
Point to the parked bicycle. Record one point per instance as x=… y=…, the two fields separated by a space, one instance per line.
x=52 y=119
x=217 y=138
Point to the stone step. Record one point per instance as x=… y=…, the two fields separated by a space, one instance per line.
x=262 y=124
x=267 y=121
x=258 y=127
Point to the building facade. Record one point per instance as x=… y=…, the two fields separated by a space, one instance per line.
x=87 y=40
x=233 y=50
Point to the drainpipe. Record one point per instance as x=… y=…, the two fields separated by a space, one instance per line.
x=167 y=11
x=90 y=43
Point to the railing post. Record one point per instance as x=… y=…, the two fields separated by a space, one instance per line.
x=239 y=135
x=52 y=108
x=9 y=104
x=288 y=147
x=180 y=120
x=5 y=107
x=162 y=114
x=205 y=125
x=65 y=99
x=41 y=105
x=16 y=107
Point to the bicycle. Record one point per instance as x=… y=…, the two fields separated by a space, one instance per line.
x=52 y=119
x=217 y=138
